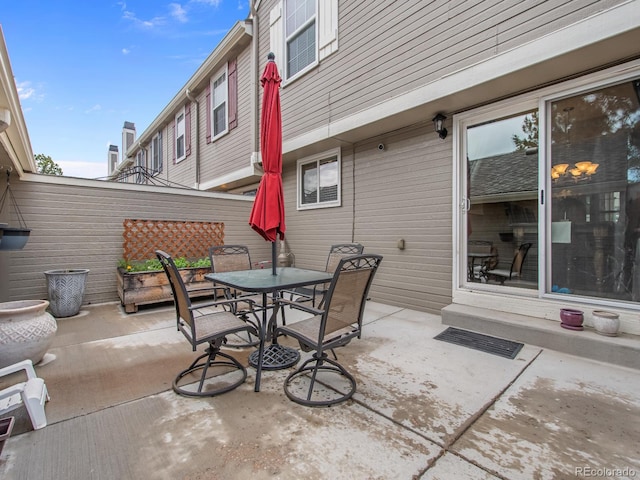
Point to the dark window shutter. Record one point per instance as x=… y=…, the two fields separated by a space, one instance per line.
x=209 y=113
x=232 y=89
x=187 y=129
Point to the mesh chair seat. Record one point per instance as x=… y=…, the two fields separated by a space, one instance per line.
x=214 y=372
x=231 y=258
x=219 y=323
x=311 y=294
x=334 y=326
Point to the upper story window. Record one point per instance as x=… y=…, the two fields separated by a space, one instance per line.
x=319 y=181
x=156 y=153
x=219 y=103
x=222 y=101
x=141 y=162
x=300 y=35
x=180 y=136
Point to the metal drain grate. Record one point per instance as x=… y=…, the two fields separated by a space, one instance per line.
x=478 y=341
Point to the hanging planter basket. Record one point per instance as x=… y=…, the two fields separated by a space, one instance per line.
x=12 y=238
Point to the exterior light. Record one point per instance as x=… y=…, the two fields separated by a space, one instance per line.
x=438 y=124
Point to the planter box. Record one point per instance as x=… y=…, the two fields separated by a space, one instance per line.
x=144 y=288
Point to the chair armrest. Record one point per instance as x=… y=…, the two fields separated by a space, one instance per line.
x=299 y=306
x=306 y=295
x=26 y=365
x=220 y=303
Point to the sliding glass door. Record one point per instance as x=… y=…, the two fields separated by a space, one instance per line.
x=501 y=204
x=549 y=192
x=594 y=154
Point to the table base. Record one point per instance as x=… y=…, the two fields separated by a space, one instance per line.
x=275 y=357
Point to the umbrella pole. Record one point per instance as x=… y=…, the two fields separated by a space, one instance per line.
x=273 y=258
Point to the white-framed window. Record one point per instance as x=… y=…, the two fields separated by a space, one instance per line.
x=141 y=163
x=319 y=180
x=180 y=137
x=301 y=34
x=219 y=103
x=156 y=153
x=559 y=219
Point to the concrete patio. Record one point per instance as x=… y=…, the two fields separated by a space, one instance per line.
x=424 y=409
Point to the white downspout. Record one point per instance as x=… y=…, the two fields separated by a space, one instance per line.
x=255 y=139
x=195 y=100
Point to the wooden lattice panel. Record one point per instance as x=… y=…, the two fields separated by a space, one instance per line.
x=178 y=238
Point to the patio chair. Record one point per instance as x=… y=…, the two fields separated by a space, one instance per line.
x=31 y=393
x=229 y=258
x=333 y=326
x=487 y=254
x=206 y=323
x=336 y=253
x=501 y=275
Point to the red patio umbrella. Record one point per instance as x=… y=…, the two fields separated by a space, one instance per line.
x=267 y=215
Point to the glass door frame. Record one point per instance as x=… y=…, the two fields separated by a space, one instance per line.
x=541 y=100
x=503 y=109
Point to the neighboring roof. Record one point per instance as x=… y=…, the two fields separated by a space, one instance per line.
x=511 y=174
x=504 y=174
x=14 y=141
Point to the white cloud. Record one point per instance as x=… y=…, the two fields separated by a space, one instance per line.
x=211 y=3
x=125 y=51
x=27 y=92
x=177 y=12
x=146 y=24
x=97 y=107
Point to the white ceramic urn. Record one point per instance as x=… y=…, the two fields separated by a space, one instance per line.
x=26 y=331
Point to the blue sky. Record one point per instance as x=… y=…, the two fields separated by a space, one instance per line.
x=83 y=68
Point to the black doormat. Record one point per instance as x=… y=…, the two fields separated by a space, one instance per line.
x=478 y=341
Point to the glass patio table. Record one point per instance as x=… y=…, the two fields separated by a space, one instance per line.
x=265 y=282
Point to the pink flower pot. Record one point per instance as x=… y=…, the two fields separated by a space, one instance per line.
x=571 y=319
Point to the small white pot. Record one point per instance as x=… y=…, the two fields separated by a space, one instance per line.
x=606 y=323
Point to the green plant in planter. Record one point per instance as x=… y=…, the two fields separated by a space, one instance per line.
x=154 y=264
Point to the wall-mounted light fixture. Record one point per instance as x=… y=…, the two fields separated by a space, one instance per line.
x=438 y=124
x=5 y=119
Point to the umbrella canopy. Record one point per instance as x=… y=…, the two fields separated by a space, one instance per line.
x=267 y=215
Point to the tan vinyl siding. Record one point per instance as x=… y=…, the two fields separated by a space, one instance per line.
x=404 y=192
x=310 y=233
x=81 y=227
x=386 y=50
x=183 y=172
x=233 y=150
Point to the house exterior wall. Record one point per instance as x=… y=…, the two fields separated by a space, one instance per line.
x=233 y=150
x=396 y=66
x=404 y=192
x=389 y=48
x=382 y=204
x=184 y=171
x=310 y=233
x=78 y=224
